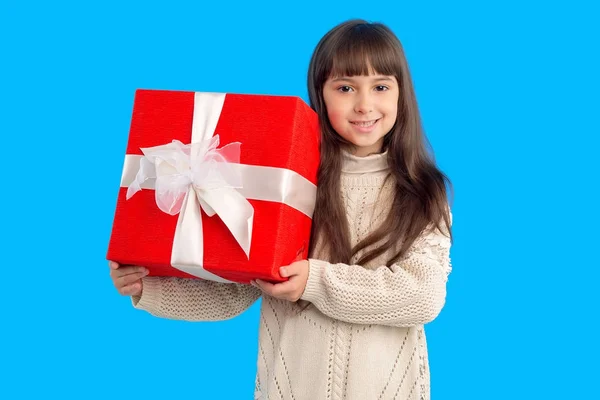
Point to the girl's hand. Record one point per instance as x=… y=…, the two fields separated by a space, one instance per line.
x=127 y=280
x=293 y=288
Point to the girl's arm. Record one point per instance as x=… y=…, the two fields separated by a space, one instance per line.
x=194 y=299
x=411 y=292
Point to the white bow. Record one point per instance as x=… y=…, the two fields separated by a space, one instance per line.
x=202 y=168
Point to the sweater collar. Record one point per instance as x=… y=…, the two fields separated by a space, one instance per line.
x=360 y=165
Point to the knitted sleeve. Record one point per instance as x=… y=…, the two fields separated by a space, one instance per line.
x=411 y=292
x=194 y=299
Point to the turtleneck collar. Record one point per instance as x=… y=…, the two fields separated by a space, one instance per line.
x=359 y=165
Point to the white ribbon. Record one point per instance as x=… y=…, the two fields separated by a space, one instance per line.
x=198 y=175
x=188 y=176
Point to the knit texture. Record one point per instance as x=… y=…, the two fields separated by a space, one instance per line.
x=357 y=333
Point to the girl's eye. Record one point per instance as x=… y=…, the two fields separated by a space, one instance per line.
x=344 y=89
x=381 y=88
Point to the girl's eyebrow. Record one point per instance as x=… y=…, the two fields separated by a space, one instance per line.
x=384 y=78
x=374 y=78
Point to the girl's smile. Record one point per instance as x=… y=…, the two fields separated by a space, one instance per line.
x=365 y=126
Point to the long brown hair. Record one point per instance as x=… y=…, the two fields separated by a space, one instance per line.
x=353 y=48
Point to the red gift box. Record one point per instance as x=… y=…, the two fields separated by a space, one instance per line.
x=262 y=202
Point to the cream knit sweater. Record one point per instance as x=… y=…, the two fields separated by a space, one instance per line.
x=362 y=335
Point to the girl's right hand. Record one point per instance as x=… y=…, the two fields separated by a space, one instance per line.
x=127 y=279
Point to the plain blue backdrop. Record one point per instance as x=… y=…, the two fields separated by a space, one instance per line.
x=508 y=93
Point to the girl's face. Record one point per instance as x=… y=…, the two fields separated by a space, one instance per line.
x=362 y=109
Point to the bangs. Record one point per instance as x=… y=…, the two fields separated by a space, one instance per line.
x=364 y=50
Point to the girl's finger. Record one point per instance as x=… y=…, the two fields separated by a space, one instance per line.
x=293 y=269
x=124 y=271
x=278 y=290
x=285 y=288
x=264 y=286
x=285 y=271
x=132 y=289
x=128 y=279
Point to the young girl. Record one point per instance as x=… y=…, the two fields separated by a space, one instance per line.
x=348 y=324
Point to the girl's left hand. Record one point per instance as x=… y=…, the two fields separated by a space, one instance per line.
x=293 y=288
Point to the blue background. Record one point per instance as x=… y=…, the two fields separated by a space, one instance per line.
x=509 y=98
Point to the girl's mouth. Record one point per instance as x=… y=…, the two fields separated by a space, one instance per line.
x=365 y=126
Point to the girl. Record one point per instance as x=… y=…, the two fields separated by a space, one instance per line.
x=348 y=324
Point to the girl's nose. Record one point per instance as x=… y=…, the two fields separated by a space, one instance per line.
x=363 y=104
